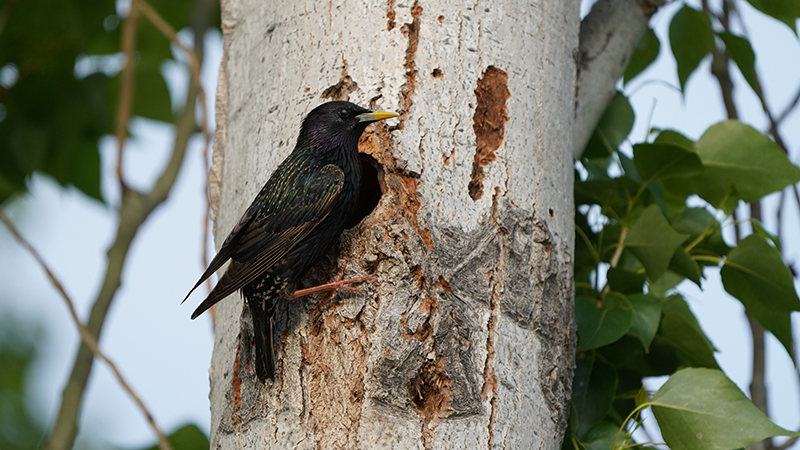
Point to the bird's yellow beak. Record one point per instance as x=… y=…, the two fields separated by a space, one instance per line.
x=375 y=116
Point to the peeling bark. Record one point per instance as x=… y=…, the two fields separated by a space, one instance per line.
x=466 y=339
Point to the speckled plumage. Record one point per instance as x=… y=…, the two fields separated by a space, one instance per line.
x=294 y=220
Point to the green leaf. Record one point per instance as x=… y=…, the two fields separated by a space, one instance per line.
x=756 y=275
x=653 y=241
x=696 y=222
x=765 y=276
x=624 y=281
x=603 y=192
x=612 y=129
x=646 y=316
x=571 y=442
x=740 y=163
x=759 y=228
x=737 y=155
x=593 y=389
x=742 y=53
x=188 y=437
x=665 y=160
x=645 y=53
x=629 y=168
x=702 y=409
x=679 y=327
x=600 y=436
x=53 y=127
x=53 y=120
x=786 y=11
x=683 y=264
x=674 y=138
x=628 y=355
x=642 y=397
x=661 y=286
x=601 y=325
x=691 y=39
x=152 y=96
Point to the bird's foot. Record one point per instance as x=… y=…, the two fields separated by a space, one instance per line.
x=333 y=286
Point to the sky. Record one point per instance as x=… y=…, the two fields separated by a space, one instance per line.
x=166 y=356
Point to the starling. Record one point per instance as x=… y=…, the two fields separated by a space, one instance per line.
x=294 y=220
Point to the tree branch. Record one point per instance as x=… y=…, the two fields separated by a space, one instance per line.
x=609 y=35
x=135 y=208
x=86 y=337
x=127 y=85
x=782 y=116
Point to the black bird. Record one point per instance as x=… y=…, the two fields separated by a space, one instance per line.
x=294 y=220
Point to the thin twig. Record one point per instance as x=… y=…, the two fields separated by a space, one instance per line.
x=194 y=61
x=782 y=116
x=623 y=233
x=779 y=219
x=194 y=67
x=87 y=337
x=130 y=27
x=787 y=444
x=134 y=210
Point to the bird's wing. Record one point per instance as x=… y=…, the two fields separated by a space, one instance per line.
x=227 y=248
x=265 y=238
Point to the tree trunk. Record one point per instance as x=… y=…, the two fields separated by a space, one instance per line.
x=466 y=338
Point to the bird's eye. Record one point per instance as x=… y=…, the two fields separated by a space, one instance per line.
x=344 y=113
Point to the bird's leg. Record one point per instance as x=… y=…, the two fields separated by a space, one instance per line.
x=338 y=283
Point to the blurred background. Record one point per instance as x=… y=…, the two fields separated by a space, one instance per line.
x=148 y=333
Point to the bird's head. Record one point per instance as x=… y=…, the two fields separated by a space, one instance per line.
x=338 y=124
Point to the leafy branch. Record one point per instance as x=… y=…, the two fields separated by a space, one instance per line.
x=639 y=325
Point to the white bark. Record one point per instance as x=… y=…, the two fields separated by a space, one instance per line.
x=466 y=338
x=609 y=35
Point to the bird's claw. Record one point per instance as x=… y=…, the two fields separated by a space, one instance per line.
x=335 y=285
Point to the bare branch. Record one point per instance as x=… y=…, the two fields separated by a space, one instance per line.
x=134 y=210
x=86 y=337
x=194 y=59
x=130 y=28
x=787 y=444
x=782 y=116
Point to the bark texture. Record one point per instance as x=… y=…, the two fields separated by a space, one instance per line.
x=608 y=37
x=466 y=339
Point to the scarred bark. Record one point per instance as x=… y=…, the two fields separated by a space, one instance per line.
x=466 y=338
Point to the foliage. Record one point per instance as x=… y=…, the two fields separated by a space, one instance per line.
x=642 y=228
x=187 y=437
x=59 y=83
x=19 y=429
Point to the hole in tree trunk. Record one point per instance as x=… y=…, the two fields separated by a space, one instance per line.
x=371 y=189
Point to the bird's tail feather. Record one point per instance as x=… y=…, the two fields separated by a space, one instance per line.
x=263 y=312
